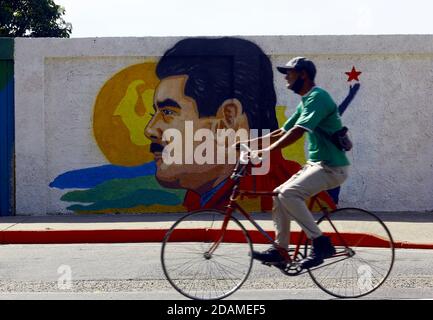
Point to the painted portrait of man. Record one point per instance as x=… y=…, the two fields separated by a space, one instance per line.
x=212 y=83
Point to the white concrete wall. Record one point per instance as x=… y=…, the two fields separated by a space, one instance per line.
x=391 y=118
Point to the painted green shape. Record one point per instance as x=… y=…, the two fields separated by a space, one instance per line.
x=126 y=110
x=140 y=197
x=6 y=73
x=120 y=189
x=6 y=48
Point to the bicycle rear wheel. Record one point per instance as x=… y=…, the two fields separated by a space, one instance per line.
x=196 y=272
x=364 y=258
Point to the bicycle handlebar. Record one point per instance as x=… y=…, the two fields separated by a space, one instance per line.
x=244 y=160
x=245 y=151
x=245 y=154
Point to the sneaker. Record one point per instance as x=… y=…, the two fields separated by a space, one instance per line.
x=322 y=249
x=271 y=256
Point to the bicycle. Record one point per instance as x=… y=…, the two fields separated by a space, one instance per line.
x=207 y=254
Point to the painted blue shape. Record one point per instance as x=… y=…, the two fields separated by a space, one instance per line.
x=7 y=141
x=346 y=102
x=335 y=194
x=91 y=177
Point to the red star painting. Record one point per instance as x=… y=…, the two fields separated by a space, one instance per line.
x=353 y=75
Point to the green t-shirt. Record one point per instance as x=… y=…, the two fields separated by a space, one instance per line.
x=317 y=109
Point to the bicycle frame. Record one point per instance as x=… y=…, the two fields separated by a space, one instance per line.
x=234 y=206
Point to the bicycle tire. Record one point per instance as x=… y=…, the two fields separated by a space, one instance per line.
x=187 y=267
x=373 y=258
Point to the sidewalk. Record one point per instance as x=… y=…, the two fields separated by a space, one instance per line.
x=409 y=230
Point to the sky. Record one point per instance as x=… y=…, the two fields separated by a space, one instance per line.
x=140 y=18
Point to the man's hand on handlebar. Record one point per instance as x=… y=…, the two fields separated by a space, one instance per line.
x=260 y=154
x=247 y=153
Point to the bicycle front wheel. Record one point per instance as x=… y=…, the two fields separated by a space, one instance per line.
x=364 y=258
x=192 y=265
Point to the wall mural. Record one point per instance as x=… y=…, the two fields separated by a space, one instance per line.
x=224 y=83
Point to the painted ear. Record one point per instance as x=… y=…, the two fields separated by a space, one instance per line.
x=229 y=114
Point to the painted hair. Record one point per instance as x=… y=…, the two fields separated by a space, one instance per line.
x=224 y=68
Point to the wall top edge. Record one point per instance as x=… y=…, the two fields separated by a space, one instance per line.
x=218 y=36
x=272 y=45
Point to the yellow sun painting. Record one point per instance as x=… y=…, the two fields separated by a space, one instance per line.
x=121 y=112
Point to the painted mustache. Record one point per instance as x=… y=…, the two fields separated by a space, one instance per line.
x=156 y=147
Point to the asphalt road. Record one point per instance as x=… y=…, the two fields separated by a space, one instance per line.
x=133 y=271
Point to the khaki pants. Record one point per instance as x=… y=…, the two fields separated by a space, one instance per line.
x=290 y=203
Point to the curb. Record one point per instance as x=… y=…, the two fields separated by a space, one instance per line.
x=157 y=235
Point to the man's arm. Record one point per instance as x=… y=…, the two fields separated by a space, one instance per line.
x=273 y=136
x=286 y=139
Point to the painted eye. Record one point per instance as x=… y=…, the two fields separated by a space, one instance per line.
x=167 y=112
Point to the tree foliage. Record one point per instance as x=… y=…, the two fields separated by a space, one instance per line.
x=33 y=18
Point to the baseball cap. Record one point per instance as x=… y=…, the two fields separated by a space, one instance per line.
x=299 y=63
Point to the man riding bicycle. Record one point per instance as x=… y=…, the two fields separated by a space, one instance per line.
x=326 y=168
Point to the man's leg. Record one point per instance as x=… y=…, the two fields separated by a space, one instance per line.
x=281 y=223
x=311 y=180
x=282 y=227
x=290 y=203
x=280 y=215
x=314 y=178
